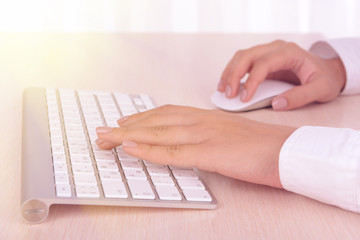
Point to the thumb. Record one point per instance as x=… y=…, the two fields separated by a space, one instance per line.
x=296 y=97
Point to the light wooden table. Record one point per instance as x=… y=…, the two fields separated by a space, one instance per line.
x=176 y=69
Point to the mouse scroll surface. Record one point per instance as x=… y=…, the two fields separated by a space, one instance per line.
x=261 y=99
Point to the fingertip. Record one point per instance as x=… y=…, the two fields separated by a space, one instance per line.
x=243 y=94
x=279 y=103
x=103 y=130
x=228 y=91
x=122 y=120
x=105 y=145
x=221 y=86
x=296 y=97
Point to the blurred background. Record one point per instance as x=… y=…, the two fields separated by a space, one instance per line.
x=332 y=18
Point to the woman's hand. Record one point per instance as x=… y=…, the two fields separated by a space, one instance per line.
x=210 y=140
x=319 y=80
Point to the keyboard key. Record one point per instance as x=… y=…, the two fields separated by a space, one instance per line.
x=60 y=167
x=56 y=132
x=107 y=166
x=85 y=179
x=150 y=164
x=131 y=164
x=63 y=190
x=96 y=149
x=135 y=174
x=197 y=195
x=123 y=99
x=80 y=142
x=55 y=125
x=190 y=184
x=76 y=159
x=57 y=141
x=141 y=189
x=184 y=174
x=179 y=168
x=60 y=158
x=168 y=193
x=110 y=176
x=162 y=180
x=87 y=191
x=58 y=149
x=76 y=150
x=85 y=168
x=158 y=171
x=126 y=157
x=61 y=178
x=147 y=101
x=102 y=156
x=114 y=189
x=138 y=101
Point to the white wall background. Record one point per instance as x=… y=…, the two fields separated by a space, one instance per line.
x=333 y=18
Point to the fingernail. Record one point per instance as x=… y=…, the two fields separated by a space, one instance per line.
x=129 y=144
x=103 y=130
x=279 y=103
x=220 y=85
x=243 y=94
x=122 y=119
x=99 y=141
x=228 y=91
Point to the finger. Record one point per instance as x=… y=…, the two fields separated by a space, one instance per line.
x=284 y=75
x=243 y=63
x=174 y=155
x=106 y=145
x=162 y=119
x=157 y=135
x=224 y=76
x=240 y=66
x=298 y=96
x=283 y=59
x=170 y=109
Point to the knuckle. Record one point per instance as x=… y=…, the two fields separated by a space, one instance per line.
x=158 y=130
x=291 y=46
x=166 y=107
x=278 y=42
x=239 y=52
x=123 y=133
x=173 y=151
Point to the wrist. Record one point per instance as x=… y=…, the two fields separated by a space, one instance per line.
x=339 y=71
x=271 y=168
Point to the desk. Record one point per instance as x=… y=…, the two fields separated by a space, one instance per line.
x=176 y=69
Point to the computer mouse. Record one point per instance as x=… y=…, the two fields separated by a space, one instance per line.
x=261 y=99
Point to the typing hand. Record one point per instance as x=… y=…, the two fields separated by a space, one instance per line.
x=210 y=140
x=319 y=80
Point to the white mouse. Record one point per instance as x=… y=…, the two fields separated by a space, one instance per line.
x=261 y=99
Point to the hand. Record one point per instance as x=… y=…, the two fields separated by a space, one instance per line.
x=319 y=80
x=207 y=139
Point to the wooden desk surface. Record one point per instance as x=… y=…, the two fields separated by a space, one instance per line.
x=176 y=69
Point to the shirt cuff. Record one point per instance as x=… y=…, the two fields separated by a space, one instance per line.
x=349 y=52
x=324 y=164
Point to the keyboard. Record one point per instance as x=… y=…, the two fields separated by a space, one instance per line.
x=61 y=164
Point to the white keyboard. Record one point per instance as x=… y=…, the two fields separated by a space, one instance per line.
x=61 y=164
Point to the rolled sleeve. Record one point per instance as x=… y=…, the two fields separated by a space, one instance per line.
x=324 y=164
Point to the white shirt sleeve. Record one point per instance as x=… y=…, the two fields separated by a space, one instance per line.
x=324 y=163
x=348 y=49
